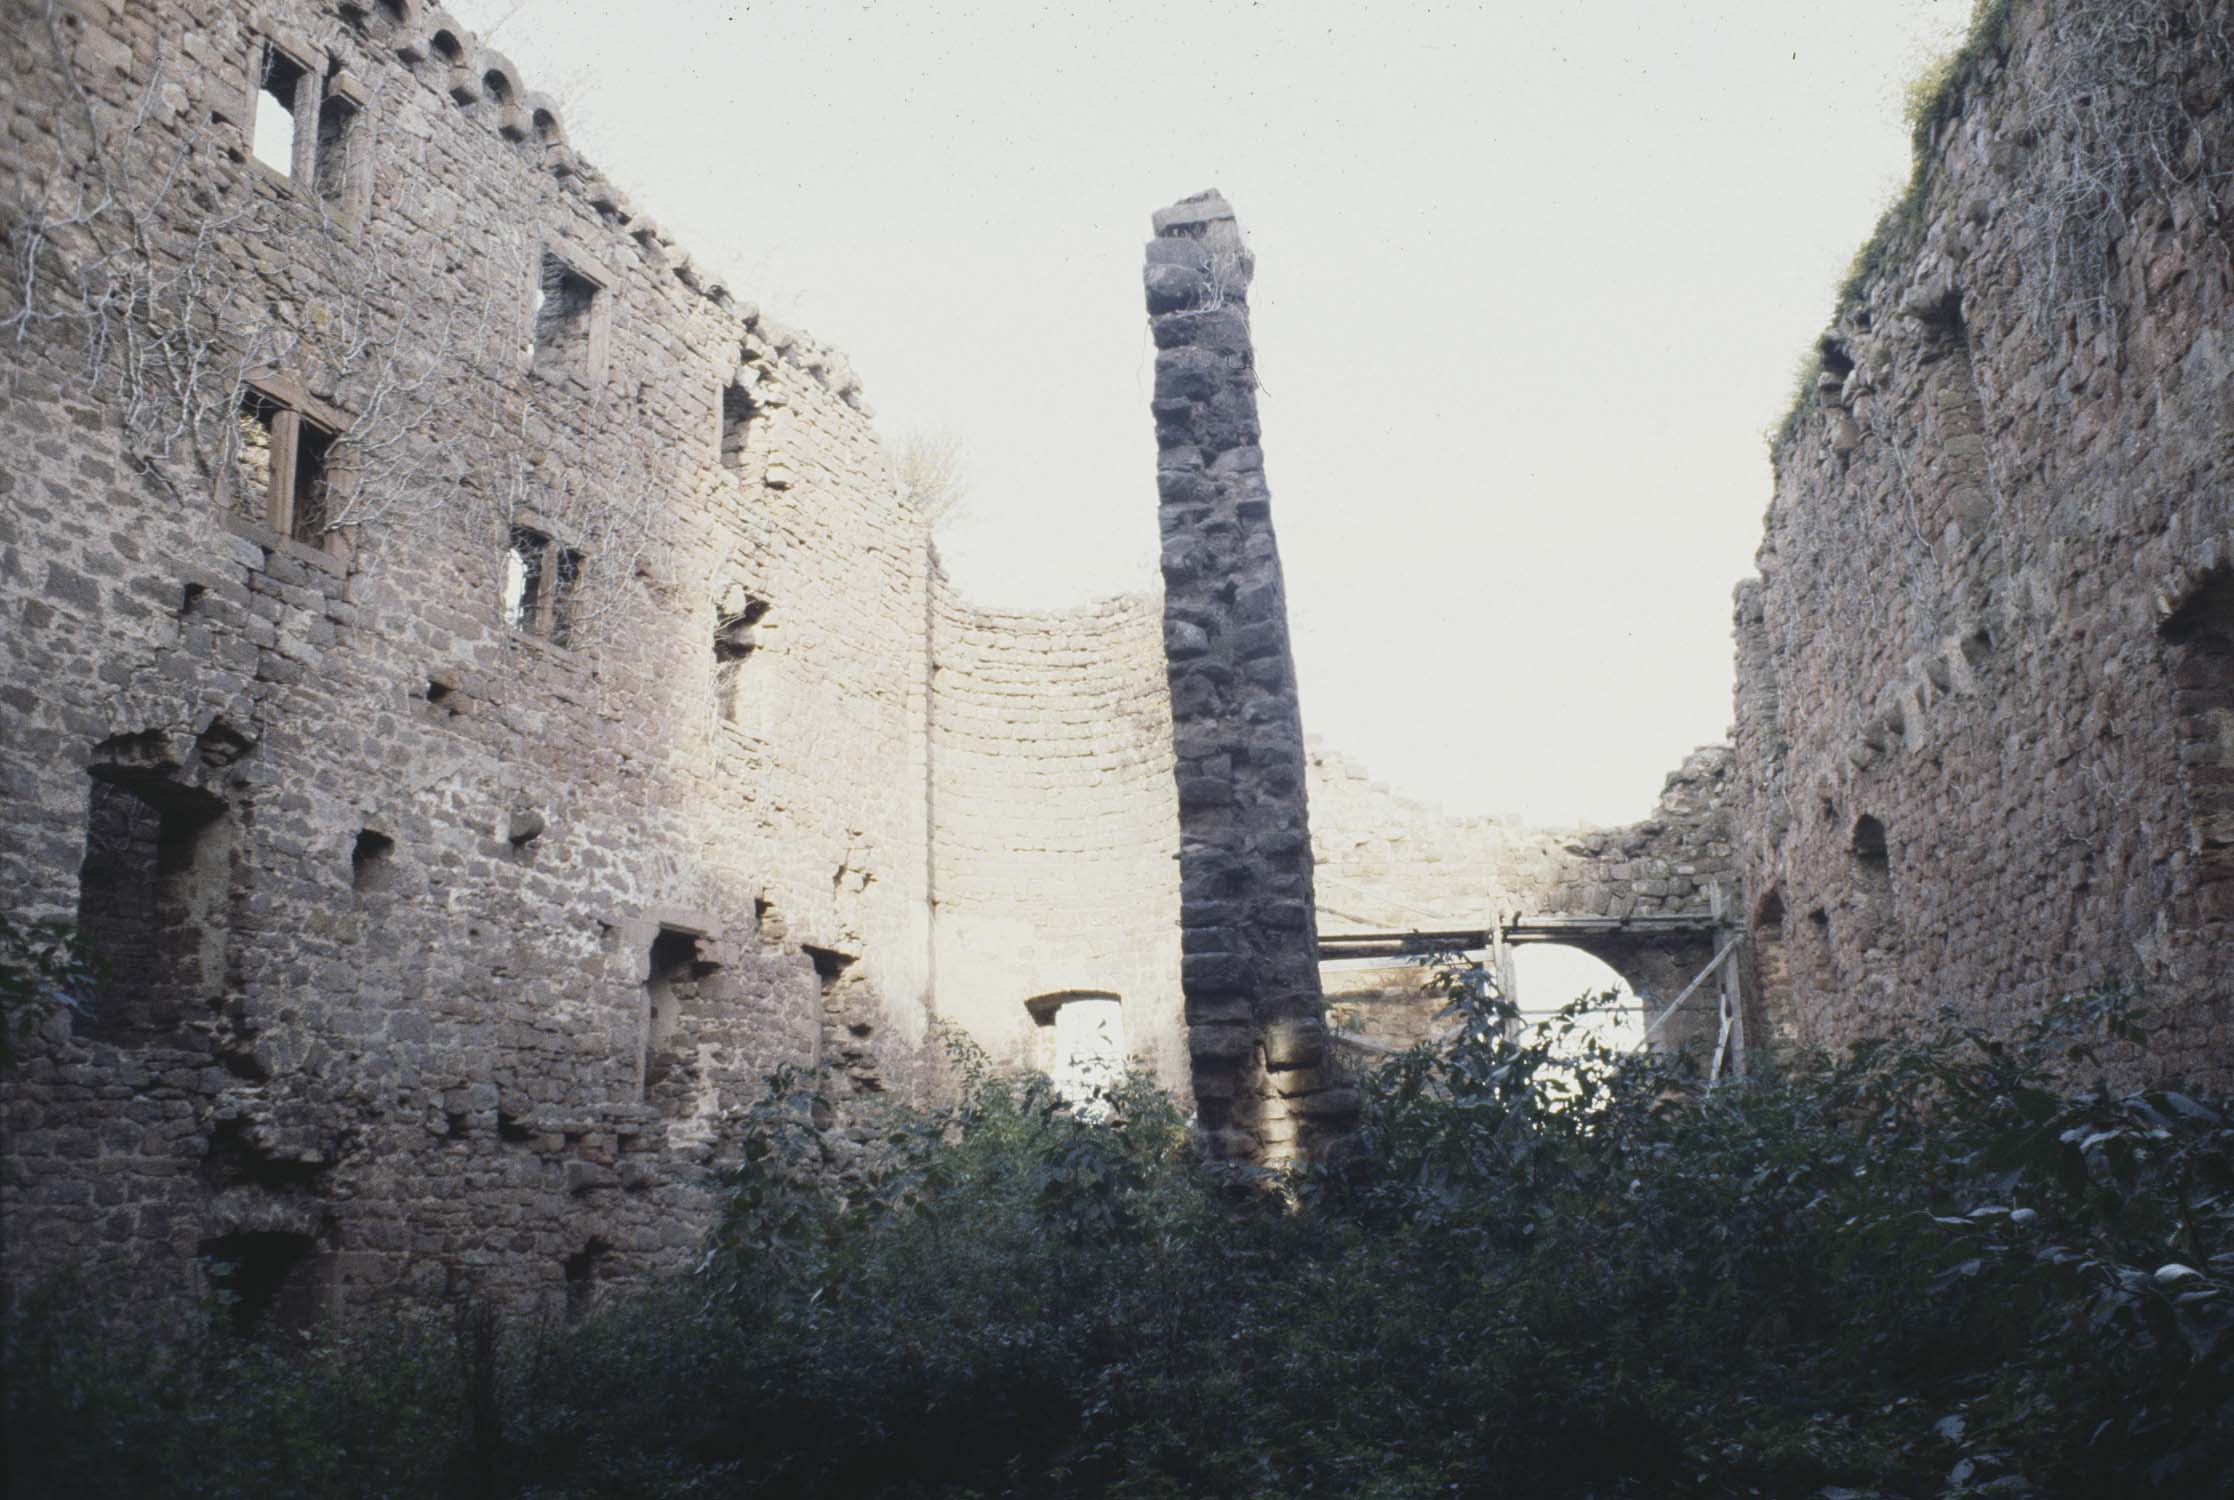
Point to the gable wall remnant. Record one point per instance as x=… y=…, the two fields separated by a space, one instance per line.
x=1980 y=709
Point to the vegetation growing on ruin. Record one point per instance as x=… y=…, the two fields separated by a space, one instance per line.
x=1916 y=1270
x=2109 y=125
x=44 y=968
x=1932 y=98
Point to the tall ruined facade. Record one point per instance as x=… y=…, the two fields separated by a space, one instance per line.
x=480 y=704
x=1985 y=727
x=478 y=685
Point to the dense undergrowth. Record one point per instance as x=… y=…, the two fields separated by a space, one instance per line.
x=1920 y=1270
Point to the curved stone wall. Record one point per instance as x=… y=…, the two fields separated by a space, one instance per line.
x=1054 y=823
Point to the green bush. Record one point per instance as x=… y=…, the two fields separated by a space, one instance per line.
x=1924 y=1269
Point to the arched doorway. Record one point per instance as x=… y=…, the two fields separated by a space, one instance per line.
x=1550 y=976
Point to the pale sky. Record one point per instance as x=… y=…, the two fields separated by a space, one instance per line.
x=1532 y=280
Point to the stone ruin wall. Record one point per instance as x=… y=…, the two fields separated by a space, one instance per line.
x=402 y=873
x=1056 y=835
x=460 y=949
x=1986 y=674
x=1265 y=1087
x=1391 y=863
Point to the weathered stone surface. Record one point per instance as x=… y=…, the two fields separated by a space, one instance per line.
x=385 y=879
x=1245 y=916
x=1984 y=674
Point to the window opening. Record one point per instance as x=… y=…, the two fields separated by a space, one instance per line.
x=564 y=302
x=734 y=640
x=566 y=577
x=540 y=585
x=2199 y=640
x=583 y=1271
x=370 y=861
x=1085 y=1049
x=523 y=578
x=848 y=1019
x=306 y=507
x=151 y=902
x=259 y=421
x=265 y=1277
x=282 y=463
x=1772 y=967
x=1870 y=848
x=668 y=1074
x=273 y=138
x=337 y=137
x=1873 y=868
x=739 y=413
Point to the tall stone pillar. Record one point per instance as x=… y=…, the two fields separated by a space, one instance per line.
x=1249 y=935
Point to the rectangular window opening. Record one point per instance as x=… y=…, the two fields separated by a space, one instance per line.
x=337 y=141
x=523 y=578
x=566 y=578
x=282 y=471
x=542 y=586
x=734 y=641
x=564 y=302
x=259 y=437
x=267 y=1278
x=278 y=91
x=152 y=902
x=371 y=862
x=308 y=500
x=669 y=1070
x=2198 y=641
x=739 y=413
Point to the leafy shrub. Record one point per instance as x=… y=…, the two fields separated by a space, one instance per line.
x=1924 y=1269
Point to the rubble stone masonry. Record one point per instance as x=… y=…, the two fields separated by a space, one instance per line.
x=1986 y=674
x=1249 y=963
x=542 y=716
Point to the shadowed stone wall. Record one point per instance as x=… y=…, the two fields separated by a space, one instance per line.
x=446 y=951
x=1984 y=675
x=1250 y=953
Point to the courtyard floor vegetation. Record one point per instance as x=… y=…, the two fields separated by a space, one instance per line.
x=1951 y=1267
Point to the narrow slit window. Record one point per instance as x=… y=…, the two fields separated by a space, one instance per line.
x=523 y=578
x=280 y=95
x=259 y=433
x=565 y=302
x=309 y=498
x=566 y=578
x=335 y=172
x=2199 y=660
x=740 y=415
x=734 y=641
